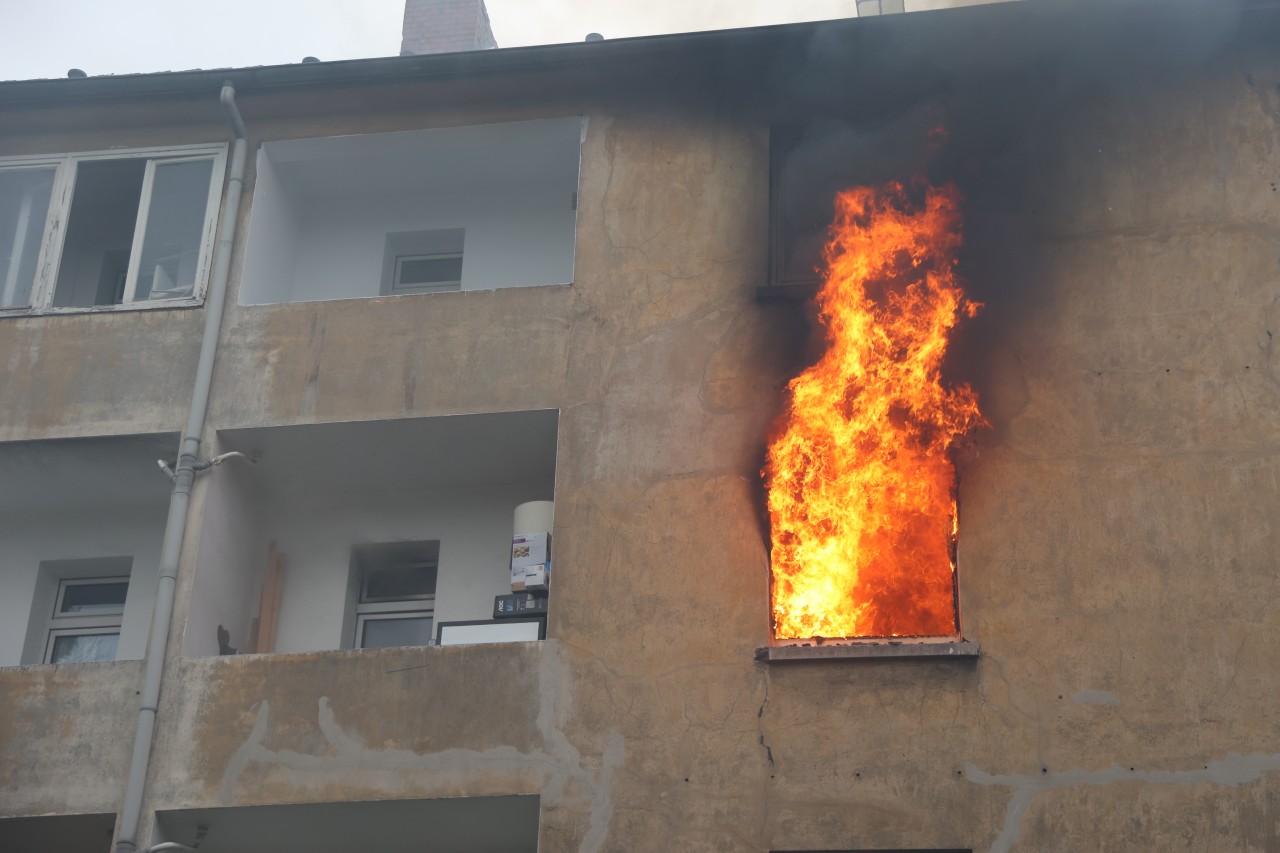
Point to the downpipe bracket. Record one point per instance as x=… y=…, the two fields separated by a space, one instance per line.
x=200 y=466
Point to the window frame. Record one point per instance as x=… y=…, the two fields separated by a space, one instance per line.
x=62 y=195
x=400 y=607
x=389 y=615
x=98 y=622
x=445 y=286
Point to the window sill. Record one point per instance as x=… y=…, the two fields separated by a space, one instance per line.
x=891 y=649
x=158 y=305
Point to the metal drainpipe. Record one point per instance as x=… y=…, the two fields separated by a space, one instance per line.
x=188 y=458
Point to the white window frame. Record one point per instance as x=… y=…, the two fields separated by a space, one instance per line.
x=371 y=615
x=381 y=609
x=81 y=624
x=397 y=288
x=60 y=200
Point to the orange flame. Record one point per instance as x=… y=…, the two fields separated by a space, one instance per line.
x=861 y=481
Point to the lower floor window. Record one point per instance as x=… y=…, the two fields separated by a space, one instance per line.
x=397 y=594
x=85 y=625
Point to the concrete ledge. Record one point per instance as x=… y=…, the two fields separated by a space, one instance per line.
x=962 y=649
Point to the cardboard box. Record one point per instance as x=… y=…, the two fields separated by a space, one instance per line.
x=530 y=578
x=519 y=604
x=532 y=549
x=536 y=578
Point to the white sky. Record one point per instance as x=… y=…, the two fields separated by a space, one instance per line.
x=44 y=38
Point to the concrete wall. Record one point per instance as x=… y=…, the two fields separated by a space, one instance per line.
x=65 y=736
x=1117 y=550
x=273 y=252
x=230 y=565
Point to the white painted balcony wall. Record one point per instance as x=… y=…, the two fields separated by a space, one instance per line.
x=317 y=491
x=323 y=208
x=68 y=506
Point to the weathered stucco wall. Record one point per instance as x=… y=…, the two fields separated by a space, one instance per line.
x=1117 y=552
x=64 y=737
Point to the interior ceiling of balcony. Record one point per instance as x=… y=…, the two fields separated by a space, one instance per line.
x=458 y=825
x=321 y=460
x=83 y=833
x=85 y=473
x=440 y=159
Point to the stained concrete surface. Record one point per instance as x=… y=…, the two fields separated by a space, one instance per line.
x=1117 y=536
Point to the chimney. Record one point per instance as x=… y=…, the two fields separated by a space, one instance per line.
x=445 y=26
x=879 y=7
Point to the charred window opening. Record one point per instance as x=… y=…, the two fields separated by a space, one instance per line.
x=860 y=473
x=801 y=198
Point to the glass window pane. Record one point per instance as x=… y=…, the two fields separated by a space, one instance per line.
x=399 y=582
x=107 y=597
x=78 y=648
x=24 y=206
x=175 y=225
x=388 y=633
x=430 y=270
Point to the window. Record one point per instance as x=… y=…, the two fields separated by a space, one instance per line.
x=423 y=261
x=86 y=620
x=396 y=605
x=107 y=228
x=808 y=164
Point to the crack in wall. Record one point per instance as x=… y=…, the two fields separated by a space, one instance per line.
x=1231 y=771
x=559 y=768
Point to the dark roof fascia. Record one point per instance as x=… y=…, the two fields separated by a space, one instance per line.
x=581 y=56
x=1012 y=20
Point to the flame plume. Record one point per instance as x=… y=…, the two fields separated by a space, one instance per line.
x=861 y=482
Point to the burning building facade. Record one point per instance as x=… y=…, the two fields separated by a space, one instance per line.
x=462 y=284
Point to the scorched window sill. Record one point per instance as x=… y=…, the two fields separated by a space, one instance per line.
x=947 y=649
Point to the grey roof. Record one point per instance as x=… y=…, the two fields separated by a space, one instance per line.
x=988 y=36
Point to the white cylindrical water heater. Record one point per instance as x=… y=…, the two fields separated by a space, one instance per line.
x=534 y=517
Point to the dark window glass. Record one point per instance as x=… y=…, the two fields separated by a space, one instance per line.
x=399 y=582
x=430 y=270
x=107 y=597
x=388 y=633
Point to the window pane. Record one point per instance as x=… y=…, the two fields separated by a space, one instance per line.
x=399 y=582
x=387 y=633
x=24 y=205
x=94 y=597
x=175 y=224
x=430 y=270
x=100 y=226
x=78 y=648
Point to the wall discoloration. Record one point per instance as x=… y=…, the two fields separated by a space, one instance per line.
x=391 y=723
x=1117 y=551
x=97 y=374
x=1230 y=772
x=63 y=736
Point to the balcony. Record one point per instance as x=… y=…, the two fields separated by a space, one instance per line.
x=415 y=212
